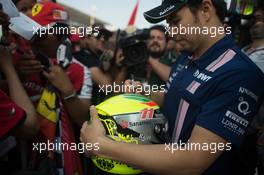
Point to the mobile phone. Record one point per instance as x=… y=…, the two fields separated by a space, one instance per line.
x=44 y=60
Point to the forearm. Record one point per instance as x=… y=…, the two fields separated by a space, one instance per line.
x=120 y=76
x=101 y=78
x=158 y=97
x=78 y=110
x=144 y=157
x=18 y=93
x=162 y=70
x=106 y=79
x=20 y=97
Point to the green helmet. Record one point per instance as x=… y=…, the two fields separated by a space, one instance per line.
x=130 y=118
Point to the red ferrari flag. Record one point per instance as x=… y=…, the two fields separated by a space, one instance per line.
x=133 y=16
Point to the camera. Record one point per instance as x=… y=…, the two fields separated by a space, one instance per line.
x=134 y=47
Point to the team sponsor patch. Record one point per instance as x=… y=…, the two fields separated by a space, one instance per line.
x=243 y=106
x=236 y=118
x=233 y=126
x=243 y=90
x=202 y=76
x=166 y=10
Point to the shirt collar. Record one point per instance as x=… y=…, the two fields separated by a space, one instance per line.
x=246 y=48
x=215 y=51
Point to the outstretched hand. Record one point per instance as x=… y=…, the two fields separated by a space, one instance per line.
x=93 y=132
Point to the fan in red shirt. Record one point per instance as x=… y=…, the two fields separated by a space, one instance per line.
x=17 y=114
x=63 y=77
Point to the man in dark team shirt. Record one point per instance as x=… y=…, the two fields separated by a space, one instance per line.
x=212 y=95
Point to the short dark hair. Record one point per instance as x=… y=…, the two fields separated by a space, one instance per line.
x=160 y=28
x=60 y=30
x=219 y=5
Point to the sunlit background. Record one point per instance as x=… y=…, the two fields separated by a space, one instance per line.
x=114 y=12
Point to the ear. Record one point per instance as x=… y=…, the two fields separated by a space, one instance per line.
x=207 y=10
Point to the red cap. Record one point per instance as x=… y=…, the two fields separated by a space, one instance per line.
x=49 y=12
x=75 y=38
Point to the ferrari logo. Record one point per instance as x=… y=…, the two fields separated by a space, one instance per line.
x=36 y=9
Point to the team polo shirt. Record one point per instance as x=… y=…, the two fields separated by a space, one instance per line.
x=11 y=115
x=220 y=91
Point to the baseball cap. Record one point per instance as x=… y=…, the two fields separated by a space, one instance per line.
x=48 y=13
x=103 y=31
x=75 y=38
x=167 y=7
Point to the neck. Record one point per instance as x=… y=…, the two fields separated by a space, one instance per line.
x=92 y=51
x=51 y=55
x=257 y=43
x=208 y=42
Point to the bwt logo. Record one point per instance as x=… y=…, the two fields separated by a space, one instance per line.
x=201 y=76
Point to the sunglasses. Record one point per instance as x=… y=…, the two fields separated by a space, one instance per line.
x=100 y=35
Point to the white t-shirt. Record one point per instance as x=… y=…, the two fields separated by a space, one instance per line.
x=256 y=55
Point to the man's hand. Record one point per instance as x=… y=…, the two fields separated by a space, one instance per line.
x=152 y=60
x=162 y=70
x=59 y=79
x=28 y=64
x=93 y=131
x=133 y=87
x=119 y=58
